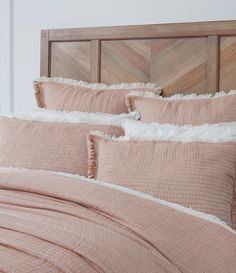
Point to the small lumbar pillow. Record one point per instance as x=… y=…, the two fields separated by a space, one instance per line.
x=197 y=172
x=71 y=95
x=184 y=109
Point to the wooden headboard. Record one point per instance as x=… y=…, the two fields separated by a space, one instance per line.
x=183 y=57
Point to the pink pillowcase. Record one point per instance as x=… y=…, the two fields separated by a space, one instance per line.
x=199 y=175
x=70 y=95
x=52 y=146
x=189 y=109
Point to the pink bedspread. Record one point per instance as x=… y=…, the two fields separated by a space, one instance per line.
x=53 y=223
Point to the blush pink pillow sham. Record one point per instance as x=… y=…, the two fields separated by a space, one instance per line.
x=195 y=174
x=71 y=95
x=179 y=109
x=51 y=146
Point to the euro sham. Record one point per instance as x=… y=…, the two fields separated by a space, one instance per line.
x=60 y=223
x=184 y=109
x=54 y=146
x=71 y=95
x=195 y=174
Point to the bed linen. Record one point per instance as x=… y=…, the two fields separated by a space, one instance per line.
x=55 y=146
x=217 y=133
x=71 y=95
x=184 y=109
x=56 y=223
x=200 y=175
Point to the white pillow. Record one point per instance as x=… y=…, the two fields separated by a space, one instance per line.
x=222 y=132
x=40 y=114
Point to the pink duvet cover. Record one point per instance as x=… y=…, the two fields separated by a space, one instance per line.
x=53 y=223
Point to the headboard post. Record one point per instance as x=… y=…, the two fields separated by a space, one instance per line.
x=95 y=61
x=213 y=63
x=45 y=54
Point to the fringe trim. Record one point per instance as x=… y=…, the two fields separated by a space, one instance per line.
x=103 y=135
x=207 y=217
x=134 y=85
x=129 y=101
x=92 y=157
x=214 y=133
x=92 y=139
x=38 y=95
x=134 y=94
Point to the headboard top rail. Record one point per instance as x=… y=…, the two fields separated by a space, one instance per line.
x=199 y=29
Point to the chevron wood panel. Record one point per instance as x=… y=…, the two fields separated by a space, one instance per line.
x=125 y=61
x=71 y=60
x=180 y=65
x=228 y=63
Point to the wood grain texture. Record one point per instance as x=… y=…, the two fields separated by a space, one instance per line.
x=45 y=51
x=71 y=60
x=228 y=63
x=183 y=57
x=213 y=63
x=125 y=61
x=95 y=60
x=198 y=29
x=179 y=65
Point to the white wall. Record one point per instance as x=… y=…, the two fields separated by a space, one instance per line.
x=33 y=15
x=4 y=56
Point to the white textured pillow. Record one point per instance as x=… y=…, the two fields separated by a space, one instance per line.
x=222 y=132
x=40 y=114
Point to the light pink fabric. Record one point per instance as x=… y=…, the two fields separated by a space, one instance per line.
x=184 y=111
x=47 y=145
x=51 y=223
x=197 y=175
x=68 y=97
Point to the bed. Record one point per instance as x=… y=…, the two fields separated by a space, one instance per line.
x=55 y=221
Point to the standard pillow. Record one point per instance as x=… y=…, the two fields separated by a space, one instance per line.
x=71 y=95
x=189 y=109
x=195 y=174
x=45 y=145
